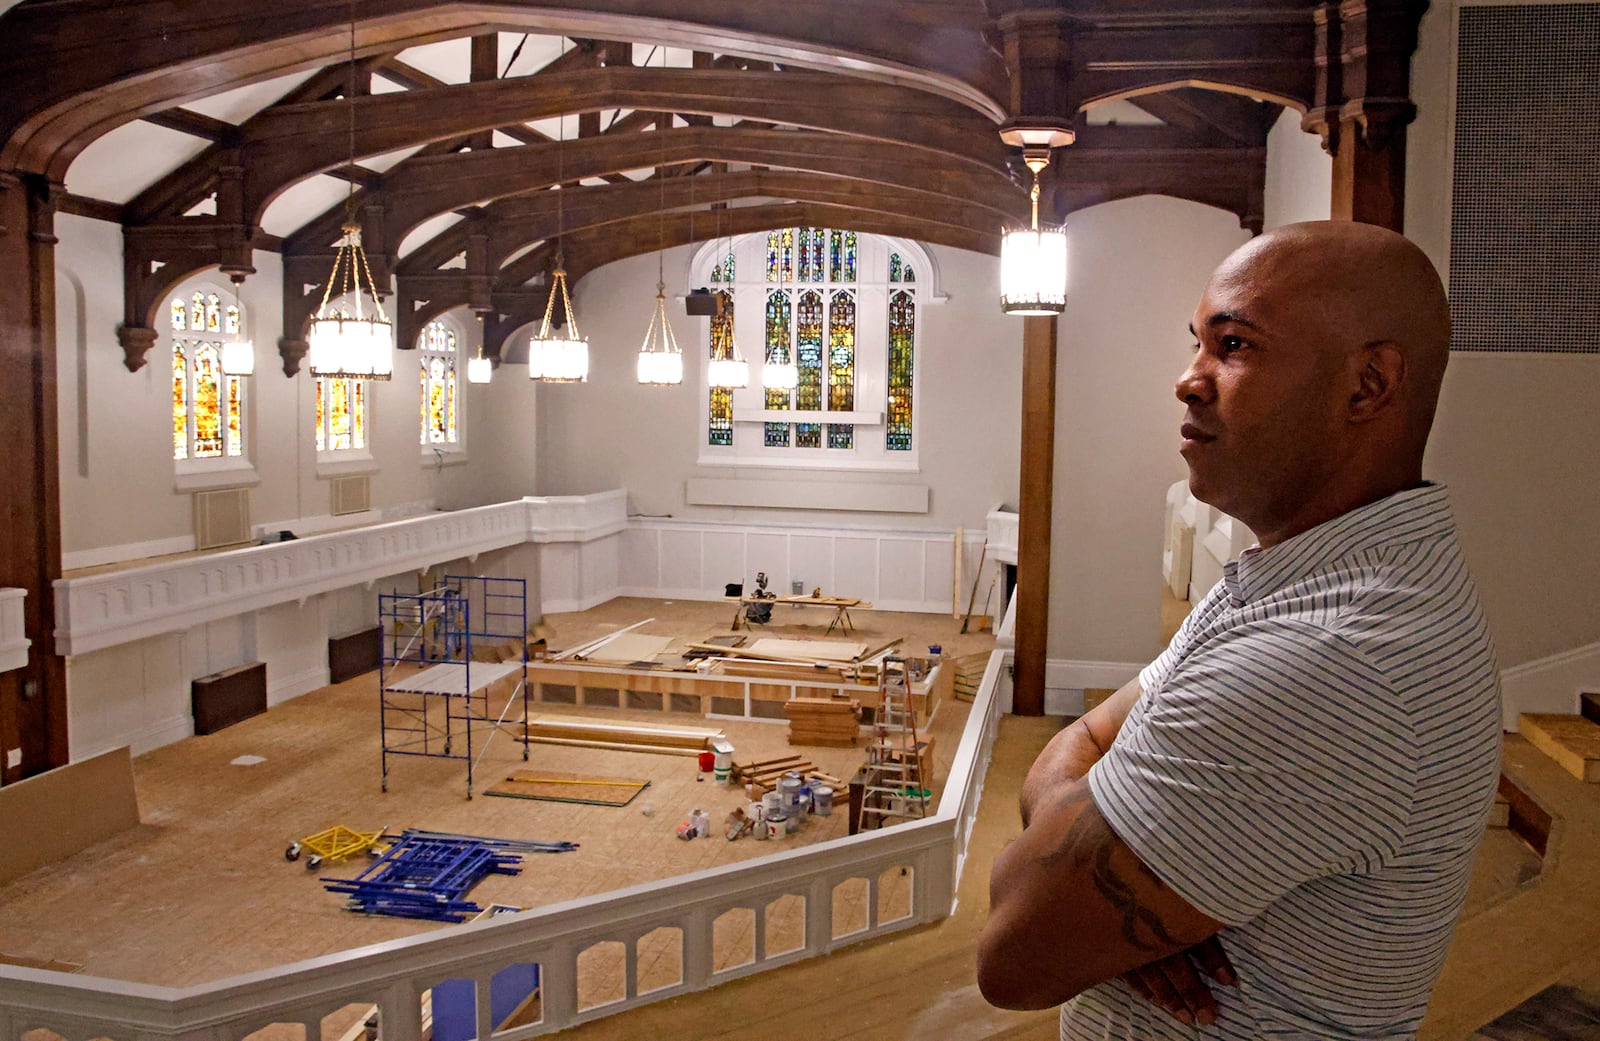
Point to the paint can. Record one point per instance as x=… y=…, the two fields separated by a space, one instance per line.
x=771 y=802
x=822 y=800
x=708 y=762
x=789 y=786
x=792 y=824
x=722 y=760
x=776 y=825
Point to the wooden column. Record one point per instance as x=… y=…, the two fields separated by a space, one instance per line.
x=1033 y=536
x=32 y=699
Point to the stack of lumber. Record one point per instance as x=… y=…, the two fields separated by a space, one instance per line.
x=620 y=736
x=830 y=722
x=968 y=675
x=764 y=774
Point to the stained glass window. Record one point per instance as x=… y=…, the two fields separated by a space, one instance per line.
x=841 y=365
x=780 y=255
x=341 y=415
x=207 y=407
x=902 y=347
x=842 y=255
x=779 y=310
x=808 y=357
x=723 y=272
x=720 y=427
x=899 y=270
x=437 y=376
x=231 y=324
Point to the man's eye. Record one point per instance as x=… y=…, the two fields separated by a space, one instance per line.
x=1230 y=344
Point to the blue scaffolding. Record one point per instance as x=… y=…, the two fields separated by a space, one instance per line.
x=433 y=693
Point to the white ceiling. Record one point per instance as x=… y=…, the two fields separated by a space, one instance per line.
x=302 y=202
x=239 y=104
x=1119 y=111
x=425 y=231
x=121 y=164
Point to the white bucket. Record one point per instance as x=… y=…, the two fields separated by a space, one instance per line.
x=822 y=800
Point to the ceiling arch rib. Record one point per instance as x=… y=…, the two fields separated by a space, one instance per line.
x=424 y=186
x=942 y=48
x=287 y=143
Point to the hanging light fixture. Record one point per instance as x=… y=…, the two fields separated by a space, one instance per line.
x=559 y=357
x=238 y=353
x=480 y=369
x=660 y=359
x=1033 y=260
x=780 y=375
x=727 y=368
x=345 y=346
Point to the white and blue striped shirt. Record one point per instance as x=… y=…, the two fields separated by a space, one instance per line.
x=1312 y=764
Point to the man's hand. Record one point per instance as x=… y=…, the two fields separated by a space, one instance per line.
x=1174 y=985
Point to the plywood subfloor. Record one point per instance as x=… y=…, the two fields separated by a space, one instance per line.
x=200 y=889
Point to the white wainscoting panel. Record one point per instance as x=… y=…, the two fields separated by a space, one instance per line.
x=897 y=570
x=14 y=642
x=878 y=497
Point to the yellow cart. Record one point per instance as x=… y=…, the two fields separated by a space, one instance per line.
x=336 y=843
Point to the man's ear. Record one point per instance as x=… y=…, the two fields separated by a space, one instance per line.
x=1382 y=373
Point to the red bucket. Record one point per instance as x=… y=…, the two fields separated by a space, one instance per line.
x=708 y=762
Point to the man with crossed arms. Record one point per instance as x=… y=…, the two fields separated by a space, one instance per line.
x=1269 y=833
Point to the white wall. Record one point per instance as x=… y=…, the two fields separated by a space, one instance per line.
x=117 y=478
x=1138 y=268
x=1299 y=183
x=613 y=433
x=1515 y=436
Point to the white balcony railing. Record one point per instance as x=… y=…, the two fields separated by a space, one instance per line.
x=116 y=607
x=393 y=976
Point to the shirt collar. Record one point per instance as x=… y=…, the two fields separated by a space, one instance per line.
x=1408 y=516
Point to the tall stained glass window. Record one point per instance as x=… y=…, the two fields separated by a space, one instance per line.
x=779 y=348
x=207 y=407
x=780 y=255
x=341 y=415
x=437 y=364
x=902 y=350
x=842 y=255
x=841 y=365
x=720 y=425
x=723 y=272
x=808 y=357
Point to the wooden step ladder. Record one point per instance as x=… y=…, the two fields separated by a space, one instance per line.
x=894 y=785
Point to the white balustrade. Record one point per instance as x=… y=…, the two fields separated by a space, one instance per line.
x=392 y=976
x=1002 y=528
x=14 y=642
x=115 y=607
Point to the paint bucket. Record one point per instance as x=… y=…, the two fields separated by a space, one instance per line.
x=771 y=803
x=789 y=786
x=822 y=800
x=776 y=825
x=708 y=762
x=792 y=824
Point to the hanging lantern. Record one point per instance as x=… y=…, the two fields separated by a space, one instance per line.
x=780 y=375
x=727 y=368
x=1033 y=260
x=479 y=369
x=343 y=346
x=660 y=360
x=558 y=357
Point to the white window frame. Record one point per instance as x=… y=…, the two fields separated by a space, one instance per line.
x=872 y=292
x=191 y=474
x=445 y=453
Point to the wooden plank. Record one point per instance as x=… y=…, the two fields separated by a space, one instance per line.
x=53 y=815
x=628 y=648
x=808 y=650
x=586 y=789
x=613 y=746
x=1572 y=741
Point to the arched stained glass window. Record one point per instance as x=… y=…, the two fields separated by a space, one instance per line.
x=779 y=351
x=780 y=255
x=437 y=364
x=723 y=272
x=842 y=255
x=342 y=406
x=720 y=426
x=902 y=350
x=841 y=365
x=207 y=407
x=899 y=270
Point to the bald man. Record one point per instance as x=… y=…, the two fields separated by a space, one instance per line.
x=1269 y=833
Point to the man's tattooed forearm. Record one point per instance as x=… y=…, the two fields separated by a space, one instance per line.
x=1089 y=843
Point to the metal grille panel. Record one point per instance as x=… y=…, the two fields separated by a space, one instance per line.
x=1525 y=224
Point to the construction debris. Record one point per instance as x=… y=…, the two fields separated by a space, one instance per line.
x=627 y=737
x=828 y=722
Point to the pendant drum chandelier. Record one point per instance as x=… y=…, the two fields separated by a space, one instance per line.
x=238 y=353
x=1033 y=260
x=727 y=368
x=558 y=357
x=660 y=359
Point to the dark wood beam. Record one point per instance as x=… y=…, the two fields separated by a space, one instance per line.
x=1200 y=111
x=286 y=143
x=186 y=121
x=97 y=209
x=67 y=87
x=1034 y=514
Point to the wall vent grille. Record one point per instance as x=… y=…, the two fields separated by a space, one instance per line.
x=350 y=495
x=222 y=518
x=1525 y=207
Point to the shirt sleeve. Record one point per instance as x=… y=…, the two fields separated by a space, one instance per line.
x=1262 y=761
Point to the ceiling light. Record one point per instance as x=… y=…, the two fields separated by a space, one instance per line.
x=1033 y=260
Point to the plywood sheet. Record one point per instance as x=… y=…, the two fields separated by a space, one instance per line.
x=451 y=678
x=808 y=650
x=554 y=786
x=58 y=813
x=628 y=648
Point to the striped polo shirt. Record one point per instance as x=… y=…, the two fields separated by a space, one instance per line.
x=1312 y=764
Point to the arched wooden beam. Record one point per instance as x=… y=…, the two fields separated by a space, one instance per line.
x=68 y=86
x=512 y=223
x=423 y=187
x=287 y=143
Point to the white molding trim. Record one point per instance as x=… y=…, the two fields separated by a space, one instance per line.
x=860 y=418
x=1072 y=674
x=303 y=682
x=346 y=463
x=203 y=478
x=1551 y=684
x=875 y=497
x=14 y=642
x=82 y=558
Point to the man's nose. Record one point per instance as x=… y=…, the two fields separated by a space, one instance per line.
x=1194 y=386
